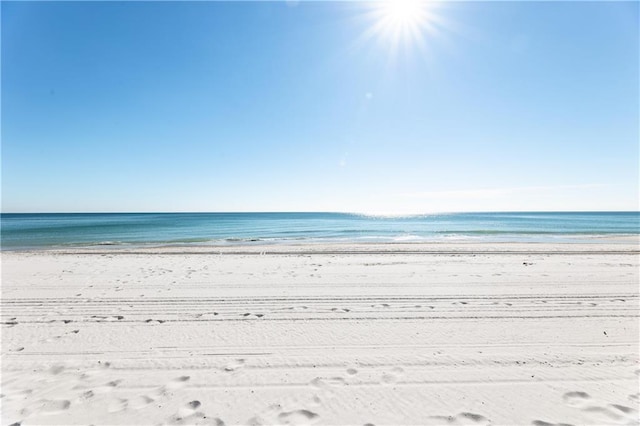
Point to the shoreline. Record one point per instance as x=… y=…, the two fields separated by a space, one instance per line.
x=619 y=245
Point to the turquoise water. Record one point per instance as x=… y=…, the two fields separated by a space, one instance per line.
x=19 y=231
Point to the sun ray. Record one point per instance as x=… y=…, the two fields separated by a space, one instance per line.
x=402 y=21
x=402 y=25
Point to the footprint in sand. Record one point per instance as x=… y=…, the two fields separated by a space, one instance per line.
x=249 y=314
x=52 y=339
x=576 y=398
x=543 y=423
x=471 y=419
x=193 y=405
x=464 y=418
x=140 y=402
x=173 y=384
x=99 y=317
x=392 y=376
x=188 y=409
x=297 y=417
x=178 y=382
x=234 y=365
x=628 y=413
x=316 y=400
x=50 y=406
x=197 y=418
x=296 y=308
x=105 y=364
x=107 y=387
x=117 y=405
x=56 y=369
x=327 y=382
x=352 y=371
x=603 y=414
x=86 y=395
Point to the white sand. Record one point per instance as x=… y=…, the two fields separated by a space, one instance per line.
x=387 y=334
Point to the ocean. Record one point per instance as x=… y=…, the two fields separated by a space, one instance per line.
x=59 y=230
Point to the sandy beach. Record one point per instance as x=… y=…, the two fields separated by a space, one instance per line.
x=449 y=334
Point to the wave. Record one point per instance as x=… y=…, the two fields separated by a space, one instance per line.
x=118 y=230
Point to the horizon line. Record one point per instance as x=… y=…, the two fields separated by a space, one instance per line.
x=324 y=212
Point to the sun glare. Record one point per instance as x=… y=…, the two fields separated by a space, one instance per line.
x=402 y=22
x=400 y=13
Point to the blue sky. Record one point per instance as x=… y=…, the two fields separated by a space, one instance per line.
x=318 y=106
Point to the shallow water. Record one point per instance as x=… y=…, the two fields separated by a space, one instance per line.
x=81 y=229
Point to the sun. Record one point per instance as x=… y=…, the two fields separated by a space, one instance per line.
x=402 y=13
x=403 y=29
x=402 y=22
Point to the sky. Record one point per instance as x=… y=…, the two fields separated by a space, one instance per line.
x=320 y=106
